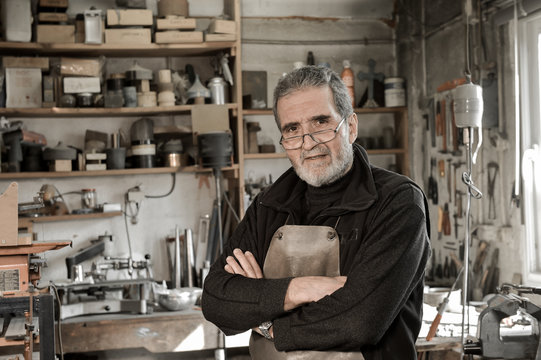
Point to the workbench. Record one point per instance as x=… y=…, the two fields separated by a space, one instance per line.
x=167 y=331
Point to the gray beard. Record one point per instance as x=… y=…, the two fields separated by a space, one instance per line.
x=338 y=168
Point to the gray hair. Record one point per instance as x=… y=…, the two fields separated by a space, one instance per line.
x=309 y=77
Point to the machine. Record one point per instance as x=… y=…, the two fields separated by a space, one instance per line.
x=495 y=338
x=90 y=292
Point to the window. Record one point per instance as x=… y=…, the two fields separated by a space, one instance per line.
x=530 y=65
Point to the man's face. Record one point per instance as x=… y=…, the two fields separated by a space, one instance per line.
x=309 y=110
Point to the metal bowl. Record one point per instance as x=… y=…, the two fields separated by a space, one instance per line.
x=180 y=299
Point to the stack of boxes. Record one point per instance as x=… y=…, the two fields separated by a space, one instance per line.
x=81 y=78
x=173 y=25
x=53 y=24
x=131 y=26
x=221 y=30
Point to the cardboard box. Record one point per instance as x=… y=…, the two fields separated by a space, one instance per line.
x=80 y=67
x=54 y=3
x=129 y=17
x=55 y=33
x=222 y=27
x=23 y=88
x=209 y=118
x=220 y=37
x=26 y=62
x=176 y=23
x=77 y=85
x=178 y=37
x=127 y=36
x=51 y=17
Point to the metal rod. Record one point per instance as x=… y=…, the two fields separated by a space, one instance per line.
x=468 y=142
x=176 y=282
x=220 y=353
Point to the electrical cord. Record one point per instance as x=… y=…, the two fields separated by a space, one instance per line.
x=174 y=180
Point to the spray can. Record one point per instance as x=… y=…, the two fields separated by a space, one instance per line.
x=349 y=79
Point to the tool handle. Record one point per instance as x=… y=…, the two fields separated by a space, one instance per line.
x=433 y=327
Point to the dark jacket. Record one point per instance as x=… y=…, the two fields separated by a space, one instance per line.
x=384 y=246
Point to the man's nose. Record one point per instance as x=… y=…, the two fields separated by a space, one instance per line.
x=308 y=142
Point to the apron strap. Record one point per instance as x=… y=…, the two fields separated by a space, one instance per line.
x=337 y=221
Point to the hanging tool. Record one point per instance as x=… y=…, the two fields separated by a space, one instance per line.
x=446 y=222
x=443 y=126
x=492 y=173
x=455 y=216
x=446 y=267
x=432 y=184
x=449 y=179
x=440 y=221
x=432 y=120
x=438 y=119
x=441 y=308
x=458 y=197
x=441 y=168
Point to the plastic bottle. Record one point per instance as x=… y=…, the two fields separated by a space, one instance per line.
x=349 y=79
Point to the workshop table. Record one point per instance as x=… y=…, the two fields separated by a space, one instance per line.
x=171 y=331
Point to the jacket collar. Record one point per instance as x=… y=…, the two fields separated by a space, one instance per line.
x=288 y=191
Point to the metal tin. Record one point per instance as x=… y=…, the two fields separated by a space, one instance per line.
x=219 y=91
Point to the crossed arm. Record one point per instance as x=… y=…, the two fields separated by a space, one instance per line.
x=301 y=290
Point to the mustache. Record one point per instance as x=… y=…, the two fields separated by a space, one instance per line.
x=316 y=151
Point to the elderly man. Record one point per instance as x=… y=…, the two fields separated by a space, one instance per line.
x=328 y=262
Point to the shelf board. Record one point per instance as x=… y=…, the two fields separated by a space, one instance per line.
x=99 y=112
x=120 y=50
x=386 y=151
x=257 y=112
x=281 y=155
x=377 y=110
x=145 y=171
x=68 y=217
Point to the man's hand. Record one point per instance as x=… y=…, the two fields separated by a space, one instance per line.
x=245 y=265
x=306 y=289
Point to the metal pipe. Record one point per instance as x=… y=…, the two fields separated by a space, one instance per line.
x=177 y=273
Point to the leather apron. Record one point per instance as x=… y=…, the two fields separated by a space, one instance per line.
x=300 y=251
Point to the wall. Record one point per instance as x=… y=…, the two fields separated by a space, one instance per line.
x=350 y=30
x=276 y=36
x=433 y=54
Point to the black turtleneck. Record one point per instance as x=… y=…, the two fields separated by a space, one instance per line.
x=322 y=197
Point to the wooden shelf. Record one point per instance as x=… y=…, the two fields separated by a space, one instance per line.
x=146 y=171
x=99 y=112
x=119 y=50
x=281 y=155
x=379 y=110
x=69 y=217
x=385 y=151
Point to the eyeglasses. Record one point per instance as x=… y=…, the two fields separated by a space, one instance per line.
x=319 y=137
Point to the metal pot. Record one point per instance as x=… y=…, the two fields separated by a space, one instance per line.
x=180 y=299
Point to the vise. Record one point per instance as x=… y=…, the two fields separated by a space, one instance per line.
x=492 y=343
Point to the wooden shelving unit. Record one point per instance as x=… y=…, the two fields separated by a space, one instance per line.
x=146 y=171
x=120 y=50
x=70 y=217
x=58 y=112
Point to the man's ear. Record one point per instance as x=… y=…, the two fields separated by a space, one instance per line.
x=353 y=124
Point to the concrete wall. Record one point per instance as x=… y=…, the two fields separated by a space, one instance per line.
x=434 y=56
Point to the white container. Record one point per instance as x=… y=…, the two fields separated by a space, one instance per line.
x=17 y=20
x=395 y=93
x=468 y=105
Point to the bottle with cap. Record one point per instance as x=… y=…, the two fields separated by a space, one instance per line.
x=349 y=79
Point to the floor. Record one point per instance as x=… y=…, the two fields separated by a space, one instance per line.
x=136 y=354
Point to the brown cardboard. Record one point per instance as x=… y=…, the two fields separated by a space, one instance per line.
x=222 y=27
x=176 y=23
x=23 y=88
x=220 y=37
x=178 y=37
x=52 y=17
x=9 y=216
x=26 y=62
x=127 y=36
x=129 y=17
x=209 y=117
x=55 y=33
x=54 y=3
x=80 y=67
